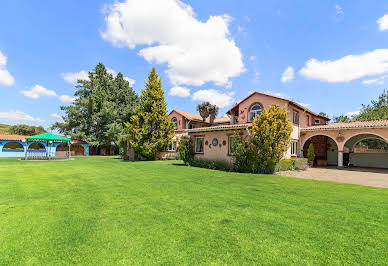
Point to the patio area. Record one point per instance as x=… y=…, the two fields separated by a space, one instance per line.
x=372 y=177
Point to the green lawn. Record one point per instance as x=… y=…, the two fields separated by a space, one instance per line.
x=101 y=210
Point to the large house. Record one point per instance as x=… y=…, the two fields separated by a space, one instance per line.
x=335 y=143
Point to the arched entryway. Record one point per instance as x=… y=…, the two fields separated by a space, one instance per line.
x=325 y=149
x=75 y=150
x=36 y=147
x=366 y=150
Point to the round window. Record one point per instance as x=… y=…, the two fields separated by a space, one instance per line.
x=215 y=142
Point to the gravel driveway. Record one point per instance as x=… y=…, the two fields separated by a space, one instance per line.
x=359 y=176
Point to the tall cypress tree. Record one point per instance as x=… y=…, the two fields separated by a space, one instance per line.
x=150 y=129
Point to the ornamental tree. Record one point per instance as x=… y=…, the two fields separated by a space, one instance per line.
x=271 y=132
x=150 y=129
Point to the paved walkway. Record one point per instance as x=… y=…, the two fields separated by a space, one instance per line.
x=359 y=176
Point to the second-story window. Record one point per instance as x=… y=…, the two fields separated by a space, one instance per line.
x=295 y=118
x=254 y=111
x=175 y=121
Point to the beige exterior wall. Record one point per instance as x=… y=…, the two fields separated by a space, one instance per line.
x=180 y=118
x=221 y=151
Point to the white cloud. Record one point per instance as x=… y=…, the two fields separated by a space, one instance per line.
x=18 y=115
x=214 y=97
x=288 y=74
x=252 y=58
x=5 y=77
x=379 y=80
x=66 y=98
x=37 y=91
x=274 y=93
x=383 y=23
x=353 y=113
x=55 y=115
x=347 y=68
x=339 y=12
x=195 y=52
x=180 y=92
x=73 y=77
x=305 y=104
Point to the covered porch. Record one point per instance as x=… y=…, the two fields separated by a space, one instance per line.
x=356 y=144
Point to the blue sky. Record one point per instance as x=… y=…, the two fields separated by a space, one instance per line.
x=335 y=52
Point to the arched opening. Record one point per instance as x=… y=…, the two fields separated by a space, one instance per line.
x=175 y=121
x=61 y=150
x=325 y=149
x=254 y=110
x=36 y=147
x=366 y=150
x=77 y=150
x=13 y=146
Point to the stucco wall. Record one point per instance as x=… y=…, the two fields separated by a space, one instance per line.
x=181 y=120
x=305 y=118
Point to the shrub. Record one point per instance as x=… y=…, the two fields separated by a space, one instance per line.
x=271 y=131
x=310 y=153
x=301 y=164
x=214 y=165
x=185 y=149
x=171 y=157
x=122 y=143
x=243 y=155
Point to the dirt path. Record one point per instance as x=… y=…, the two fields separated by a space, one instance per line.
x=359 y=176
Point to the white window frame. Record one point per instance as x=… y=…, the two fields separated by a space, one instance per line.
x=203 y=145
x=172 y=146
x=294 y=148
x=315 y=121
x=254 y=113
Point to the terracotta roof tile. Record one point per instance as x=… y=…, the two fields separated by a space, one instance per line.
x=191 y=116
x=217 y=128
x=333 y=126
x=12 y=137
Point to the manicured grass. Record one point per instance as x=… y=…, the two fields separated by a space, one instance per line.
x=101 y=210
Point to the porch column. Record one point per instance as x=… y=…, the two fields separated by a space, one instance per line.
x=340 y=159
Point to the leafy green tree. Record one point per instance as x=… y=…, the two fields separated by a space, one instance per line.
x=271 y=132
x=150 y=129
x=376 y=110
x=26 y=130
x=310 y=153
x=323 y=114
x=242 y=154
x=102 y=105
x=185 y=149
x=341 y=119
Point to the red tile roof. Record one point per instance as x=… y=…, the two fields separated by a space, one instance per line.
x=218 y=128
x=12 y=137
x=287 y=100
x=21 y=138
x=351 y=125
x=191 y=116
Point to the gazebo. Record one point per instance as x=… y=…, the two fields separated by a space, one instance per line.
x=49 y=152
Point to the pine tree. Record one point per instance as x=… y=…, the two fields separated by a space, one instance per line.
x=150 y=129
